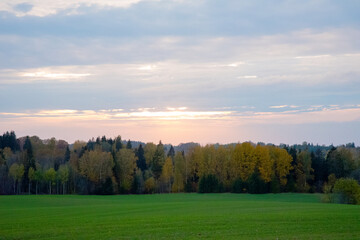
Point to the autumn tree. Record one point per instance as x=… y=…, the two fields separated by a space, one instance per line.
x=194 y=167
x=126 y=168
x=179 y=173
x=340 y=161
x=50 y=177
x=38 y=177
x=282 y=164
x=96 y=165
x=264 y=164
x=78 y=146
x=209 y=160
x=158 y=160
x=222 y=165
x=150 y=185
x=303 y=171
x=243 y=161
x=348 y=190
x=31 y=176
x=63 y=174
x=149 y=153
x=167 y=173
x=16 y=171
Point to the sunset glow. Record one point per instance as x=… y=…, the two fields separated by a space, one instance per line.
x=179 y=71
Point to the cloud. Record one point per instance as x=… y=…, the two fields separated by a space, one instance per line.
x=58 y=73
x=280 y=106
x=43 y=8
x=54 y=75
x=247 y=77
x=120 y=114
x=331 y=113
x=316 y=56
x=235 y=64
x=147 y=67
x=128 y=18
x=175 y=109
x=183 y=125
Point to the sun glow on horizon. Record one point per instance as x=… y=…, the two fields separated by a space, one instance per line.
x=173 y=125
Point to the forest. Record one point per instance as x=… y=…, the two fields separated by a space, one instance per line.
x=30 y=165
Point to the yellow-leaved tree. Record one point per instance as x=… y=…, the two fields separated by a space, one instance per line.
x=179 y=173
x=16 y=171
x=243 y=161
x=303 y=171
x=167 y=173
x=96 y=165
x=222 y=165
x=209 y=160
x=126 y=168
x=264 y=163
x=282 y=163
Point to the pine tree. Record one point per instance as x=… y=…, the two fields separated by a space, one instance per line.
x=29 y=162
x=128 y=145
x=118 y=143
x=67 y=154
x=140 y=162
x=171 y=152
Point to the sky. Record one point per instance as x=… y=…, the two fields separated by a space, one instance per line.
x=179 y=71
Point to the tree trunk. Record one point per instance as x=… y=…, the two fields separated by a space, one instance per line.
x=36 y=187
x=50 y=187
x=14 y=187
x=186 y=174
x=29 y=186
x=169 y=185
x=63 y=188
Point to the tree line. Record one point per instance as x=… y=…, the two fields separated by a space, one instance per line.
x=29 y=165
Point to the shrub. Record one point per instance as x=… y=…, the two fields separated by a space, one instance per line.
x=106 y=188
x=348 y=190
x=209 y=184
x=275 y=185
x=150 y=185
x=239 y=186
x=256 y=185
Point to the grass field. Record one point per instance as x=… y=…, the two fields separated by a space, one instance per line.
x=180 y=216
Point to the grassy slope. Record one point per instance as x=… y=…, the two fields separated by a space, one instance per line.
x=182 y=216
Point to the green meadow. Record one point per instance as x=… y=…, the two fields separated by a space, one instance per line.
x=177 y=216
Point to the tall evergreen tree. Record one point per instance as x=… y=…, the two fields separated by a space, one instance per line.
x=141 y=162
x=319 y=165
x=29 y=162
x=171 y=152
x=67 y=154
x=8 y=139
x=118 y=143
x=128 y=145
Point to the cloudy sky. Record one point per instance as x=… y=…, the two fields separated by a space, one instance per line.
x=181 y=70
